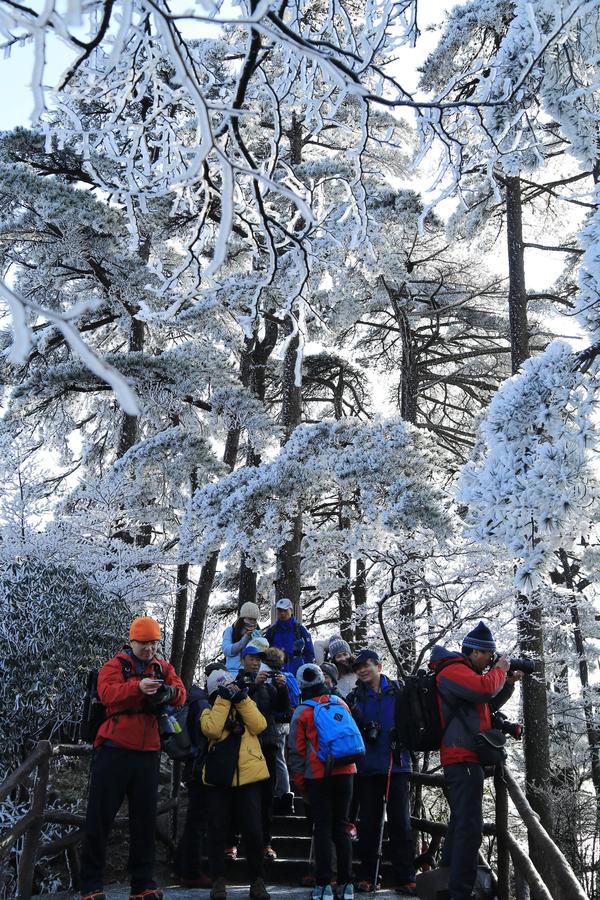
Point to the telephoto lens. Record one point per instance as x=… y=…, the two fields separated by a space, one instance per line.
x=527 y=666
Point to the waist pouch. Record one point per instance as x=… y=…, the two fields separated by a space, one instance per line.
x=221 y=761
x=489 y=746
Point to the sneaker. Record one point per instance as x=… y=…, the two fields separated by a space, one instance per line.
x=322 y=892
x=231 y=852
x=351 y=831
x=365 y=887
x=407 y=890
x=258 y=890
x=345 y=891
x=218 y=890
x=269 y=852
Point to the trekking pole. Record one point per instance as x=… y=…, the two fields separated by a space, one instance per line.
x=382 y=825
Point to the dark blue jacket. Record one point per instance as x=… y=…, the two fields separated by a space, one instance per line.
x=367 y=706
x=284 y=635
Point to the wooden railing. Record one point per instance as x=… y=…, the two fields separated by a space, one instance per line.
x=29 y=826
x=563 y=881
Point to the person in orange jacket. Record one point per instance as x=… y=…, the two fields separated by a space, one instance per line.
x=134 y=687
x=329 y=794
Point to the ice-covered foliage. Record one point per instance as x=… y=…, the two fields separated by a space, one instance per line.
x=384 y=470
x=532 y=485
x=54 y=628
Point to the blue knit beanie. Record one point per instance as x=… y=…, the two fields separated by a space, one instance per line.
x=480 y=638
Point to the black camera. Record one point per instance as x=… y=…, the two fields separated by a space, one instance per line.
x=514 y=729
x=527 y=666
x=234 y=726
x=372 y=730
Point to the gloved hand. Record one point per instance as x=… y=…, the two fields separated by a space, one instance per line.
x=164 y=695
x=224 y=691
x=239 y=695
x=298 y=646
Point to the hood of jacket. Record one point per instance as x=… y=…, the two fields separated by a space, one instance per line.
x=440 y=654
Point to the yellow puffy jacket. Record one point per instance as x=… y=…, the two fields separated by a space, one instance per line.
x=251 y=762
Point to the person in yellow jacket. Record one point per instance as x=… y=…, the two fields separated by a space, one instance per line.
x=233 y=770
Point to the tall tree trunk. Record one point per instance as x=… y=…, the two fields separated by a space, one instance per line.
x=592 y=730
x=195 y=629
x=258 y=353
x=360 y=603
x=531 y=633
x=181 y=605
x=287 y=581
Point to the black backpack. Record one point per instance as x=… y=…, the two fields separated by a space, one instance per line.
x=189 y=744
x=418 y=723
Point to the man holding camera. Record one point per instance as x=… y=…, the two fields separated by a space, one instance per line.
x=382 y=776
x=134 y=687
x=468 y=695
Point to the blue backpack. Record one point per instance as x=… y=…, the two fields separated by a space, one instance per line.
x=340 y=741
x=293 y=689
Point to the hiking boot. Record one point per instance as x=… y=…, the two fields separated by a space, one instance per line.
x=269 y=852
x=286 y=805
x=322 y=892
x=258 y=890
x=218 y=890
x=407 y=890
x=365 y=887
x=345 y=891
x=351 y=831
x=231 y=852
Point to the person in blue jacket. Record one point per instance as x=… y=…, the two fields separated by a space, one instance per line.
x=373 y=705
x=291 y=637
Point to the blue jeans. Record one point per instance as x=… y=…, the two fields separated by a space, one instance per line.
x=465 y=829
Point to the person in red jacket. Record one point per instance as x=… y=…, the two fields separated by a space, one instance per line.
x=467 y=695
x=329 y=795
x=134 y=687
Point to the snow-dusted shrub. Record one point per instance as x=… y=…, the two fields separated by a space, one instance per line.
x=53 y=627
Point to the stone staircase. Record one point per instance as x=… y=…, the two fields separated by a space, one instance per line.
x=292 y=843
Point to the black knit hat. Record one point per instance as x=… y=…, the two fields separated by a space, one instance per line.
x=480 y=638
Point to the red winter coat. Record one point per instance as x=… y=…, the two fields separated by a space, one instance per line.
x=477 y=694
x=120 y=694
x=303 y=744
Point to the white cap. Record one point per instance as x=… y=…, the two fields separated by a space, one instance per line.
x=284 y=603
x=216 y=679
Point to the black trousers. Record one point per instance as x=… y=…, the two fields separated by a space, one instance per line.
x=329 y=804
x=229 y=804
x=465 y=828
x=370 y=790
x=118 y=773
x=268 y=791
x=188 y=857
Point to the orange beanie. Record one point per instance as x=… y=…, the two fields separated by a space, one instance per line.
x=144 y=629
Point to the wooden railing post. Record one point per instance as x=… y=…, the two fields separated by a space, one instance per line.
x=502 y=833
x=32 y=835
x=562 y=873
